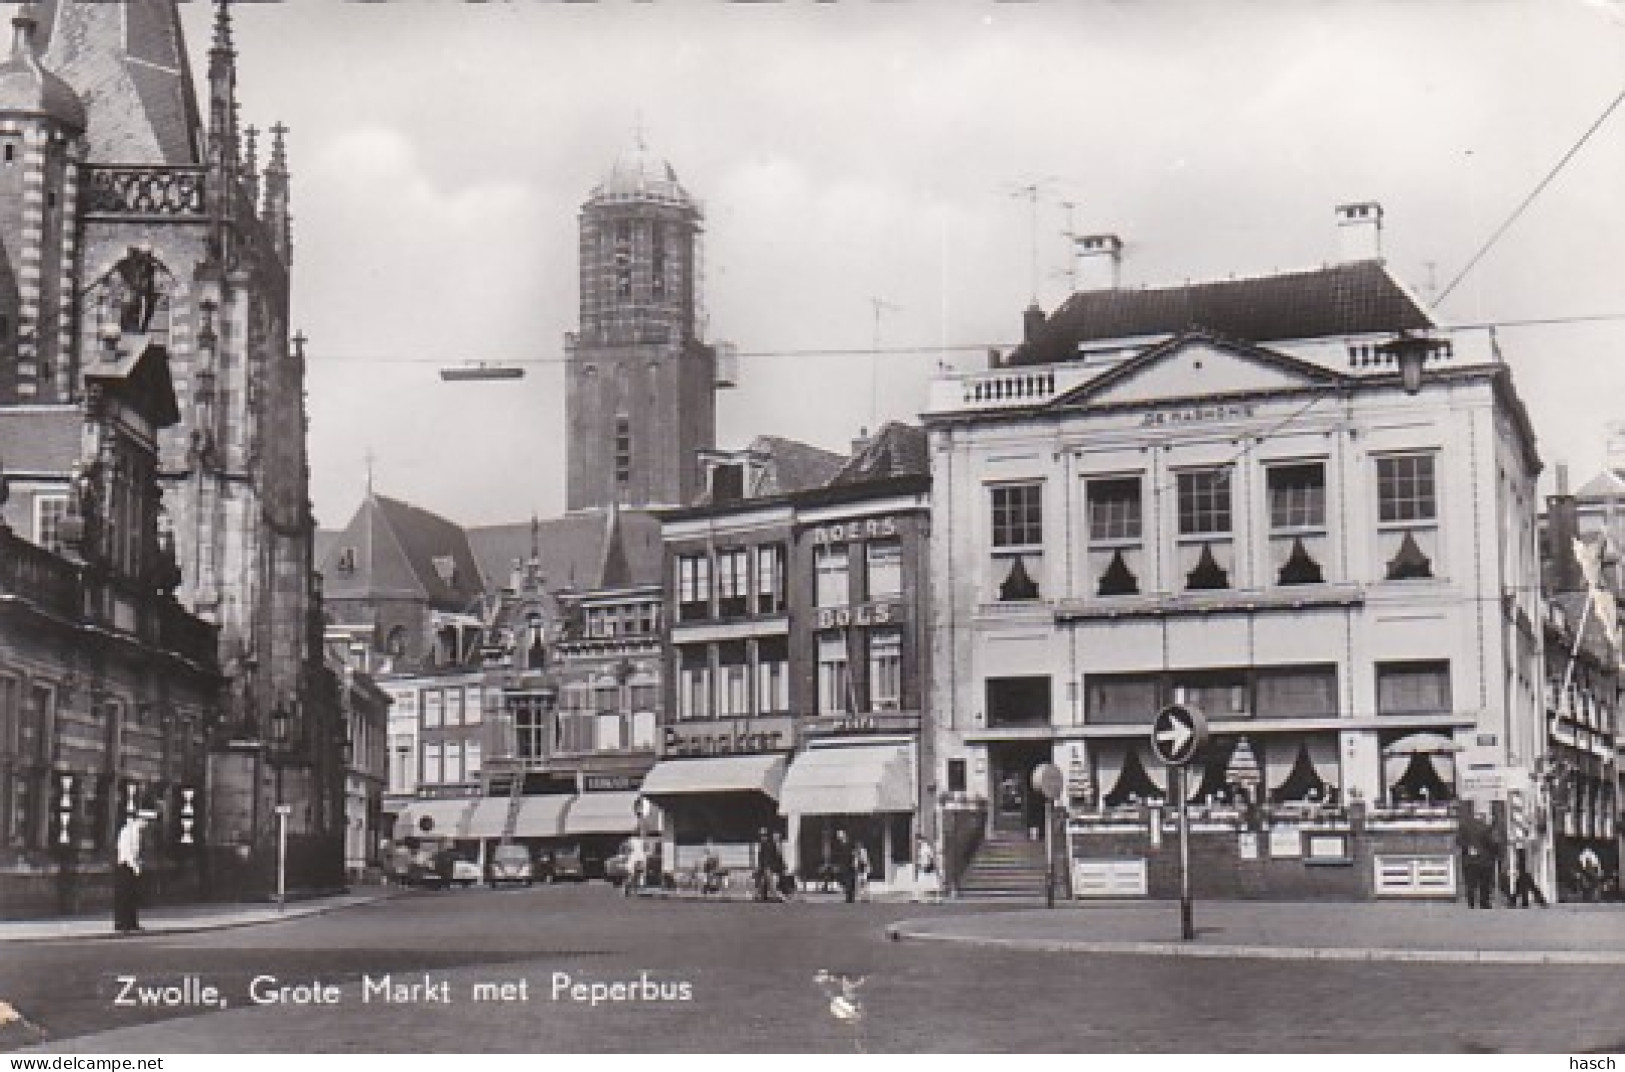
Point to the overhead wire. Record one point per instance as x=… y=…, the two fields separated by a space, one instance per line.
x=1540 y=188
x=898 y=351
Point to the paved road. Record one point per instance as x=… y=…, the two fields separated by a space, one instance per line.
x=752 y=980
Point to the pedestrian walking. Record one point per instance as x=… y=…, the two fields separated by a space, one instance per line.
x=784 y=879
x=712 y=875
x=860 y=865
x=1479 y=850
x=1523 y=887
x=637 y=867
x=769 y=866
x=927 y=880
x=127 y=876
x=1590 y=874
x=842 y=859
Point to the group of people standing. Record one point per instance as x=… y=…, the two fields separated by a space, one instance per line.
x=847 y=864
x=1484 y=856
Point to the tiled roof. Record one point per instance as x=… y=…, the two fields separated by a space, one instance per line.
x=1346 y=299
x=572 y=550
x=794 y=466
x=40 y=439
x=897 y=450
x=1605 y=485
x=128 y=63
x=391 y=548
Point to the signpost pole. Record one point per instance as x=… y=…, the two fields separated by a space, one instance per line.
x=282 y=811
x=1177 y=734
x=1187 y=926
x=1048 y=780
x=1049 y=853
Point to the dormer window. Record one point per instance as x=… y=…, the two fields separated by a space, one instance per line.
x=346 y=562
x=445 y=567
x=727 y=482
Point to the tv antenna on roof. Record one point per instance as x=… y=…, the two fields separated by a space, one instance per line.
x=880 y=305
x=1029 y=191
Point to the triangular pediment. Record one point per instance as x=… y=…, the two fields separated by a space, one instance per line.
x=1198 y=366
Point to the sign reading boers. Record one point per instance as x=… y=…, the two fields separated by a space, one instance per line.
x=875 y=528
x=1177 y=733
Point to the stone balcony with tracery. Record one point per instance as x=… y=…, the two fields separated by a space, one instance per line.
x=125 y=191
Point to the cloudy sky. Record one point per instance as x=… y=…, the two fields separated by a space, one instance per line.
x=855 y=157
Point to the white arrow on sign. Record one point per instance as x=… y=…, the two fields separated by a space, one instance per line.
x=1177 y=732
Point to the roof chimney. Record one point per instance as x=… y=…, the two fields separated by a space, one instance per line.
x=1032 y=322
x=1562 y=529
x=1097 y=261
x=1359 y=232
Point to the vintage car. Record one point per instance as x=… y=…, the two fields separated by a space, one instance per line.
x=510 y=863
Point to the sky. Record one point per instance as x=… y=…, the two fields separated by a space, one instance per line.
x=903 y=175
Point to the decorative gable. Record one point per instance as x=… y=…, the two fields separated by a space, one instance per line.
x=1198 y=366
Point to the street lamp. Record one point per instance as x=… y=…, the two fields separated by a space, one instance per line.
x=279 y=738
x=1409 y=352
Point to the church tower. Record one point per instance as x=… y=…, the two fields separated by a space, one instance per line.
x=641 y=399
x=134 y=221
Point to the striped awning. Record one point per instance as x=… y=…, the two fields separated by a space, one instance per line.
x=850 y=780
x=541 y=816
x=720 y=774
x=434 y=818
x=488 y=818
x=603 y=813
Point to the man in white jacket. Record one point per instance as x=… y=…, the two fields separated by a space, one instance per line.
x=127 y=876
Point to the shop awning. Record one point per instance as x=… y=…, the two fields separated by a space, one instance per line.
x=1424 y=744
x=541 y=816
x=854 y=780
x=433 y=818
x=488 y=818
x=603 y=813
x=722 y=774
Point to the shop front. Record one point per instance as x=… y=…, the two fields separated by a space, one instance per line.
x=600 y=822
x=1269 y=820
x=725 y=801
x=864 y=786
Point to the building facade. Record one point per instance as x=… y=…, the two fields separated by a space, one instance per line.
x=1577 y=797
x=860 y=612
x=1260 y=517
x=799 y=589
x=730 y=727
x=137 y=217
x=579 y=674
x=108 y=687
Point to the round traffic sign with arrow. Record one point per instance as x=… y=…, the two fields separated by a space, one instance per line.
x=1177 y=732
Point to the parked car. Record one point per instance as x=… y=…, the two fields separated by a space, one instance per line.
x=511 y=863
x=441 y=869
x=464 y=872
x=562 y=864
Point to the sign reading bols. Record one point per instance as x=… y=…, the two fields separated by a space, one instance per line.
x=1177 y=733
